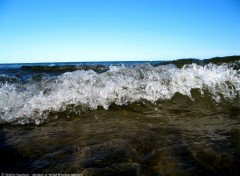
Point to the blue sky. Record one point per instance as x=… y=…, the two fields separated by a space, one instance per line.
x=102 y=30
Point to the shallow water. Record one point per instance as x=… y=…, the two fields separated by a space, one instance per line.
x=121 y=141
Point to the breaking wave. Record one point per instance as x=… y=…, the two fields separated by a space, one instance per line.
x=42 y=96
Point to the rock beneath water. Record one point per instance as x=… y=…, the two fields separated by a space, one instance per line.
x=114 y=169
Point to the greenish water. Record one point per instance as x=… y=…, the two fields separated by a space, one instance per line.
x=123 y=141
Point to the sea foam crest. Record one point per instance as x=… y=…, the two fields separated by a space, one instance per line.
x=31 y=101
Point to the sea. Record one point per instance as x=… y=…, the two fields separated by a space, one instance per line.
x=144 y=118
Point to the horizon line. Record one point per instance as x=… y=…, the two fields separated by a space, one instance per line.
x=124 y=60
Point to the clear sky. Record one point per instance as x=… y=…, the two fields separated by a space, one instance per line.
x=102 y=30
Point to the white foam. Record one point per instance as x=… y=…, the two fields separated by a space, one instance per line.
x=120 y=85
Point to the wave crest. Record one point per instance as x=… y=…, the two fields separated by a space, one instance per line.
x=32 y=101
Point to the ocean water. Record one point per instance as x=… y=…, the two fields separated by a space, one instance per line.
x=121 y=118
